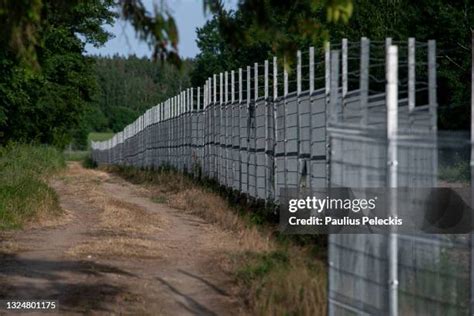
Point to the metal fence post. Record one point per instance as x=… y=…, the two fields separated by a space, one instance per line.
x=254 y=120
x=327 y=92
x=285 y=134
x=364 y=79
x=299 y=163
x=334 y=94
x=240 y=129
x=471 y=266
x=214 y=132
x=267 y=125
x=226 y=128
x=392 y=129
x=233 y=134
x=220 y=161
x=311 y=90
x=344 y=50
x=433 y=103
x=248 y=130
x=275 y=127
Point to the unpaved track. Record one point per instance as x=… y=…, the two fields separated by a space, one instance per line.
x=182 y=277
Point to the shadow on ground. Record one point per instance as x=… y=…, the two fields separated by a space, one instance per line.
x=67 y=281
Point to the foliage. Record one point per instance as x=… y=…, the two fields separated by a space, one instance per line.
x=48 y=105
x=258 y=30
x=129 y=86
x=24 y=193
x=20 y=21
x=449 y=22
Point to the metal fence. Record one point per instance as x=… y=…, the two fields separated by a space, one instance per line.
x=354 y=114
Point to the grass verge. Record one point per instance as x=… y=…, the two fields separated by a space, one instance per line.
x=275 y=275
x=24 y=193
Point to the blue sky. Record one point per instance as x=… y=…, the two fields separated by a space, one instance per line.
x=188 y=14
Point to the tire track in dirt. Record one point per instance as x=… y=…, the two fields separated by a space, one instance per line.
x=117 y=252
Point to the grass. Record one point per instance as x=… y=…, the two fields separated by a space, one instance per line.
x=122 y=230
x=95 y=136
x=24 y=193
x=275 y=275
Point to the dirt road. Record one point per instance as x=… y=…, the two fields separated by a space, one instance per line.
x=118 y=252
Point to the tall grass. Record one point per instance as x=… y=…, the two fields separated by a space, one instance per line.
x=24 y=192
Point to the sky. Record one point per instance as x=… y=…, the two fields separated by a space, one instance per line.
x=189 y=15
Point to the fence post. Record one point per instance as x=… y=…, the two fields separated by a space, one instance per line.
x=311 y=91
x=433 y=103
x=214 y=131
x=254 y=117
x=233 y=134
x=344 y=50
x=364 y=79
x=392 y=129
x=221 y=163
x=299 y=164
x=232 y=86
x=248 y=129
x=411 y=74
x=267 y=125
x=182 y=131
x=275 y=126
x=204 y=128
x=471 y=267
x=191 y=117
x=226 y=128
x=285 y=139
x=334 y=94
x=327 y=92
x=432 y=82
x=240 y=129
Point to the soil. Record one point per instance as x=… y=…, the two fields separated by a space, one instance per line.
x=115 y=251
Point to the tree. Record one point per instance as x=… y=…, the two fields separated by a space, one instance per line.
x=47 y=106
x=129 y=86
x=447 y=22
x=20 y=21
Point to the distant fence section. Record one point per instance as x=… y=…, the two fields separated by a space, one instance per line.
x=352 y=114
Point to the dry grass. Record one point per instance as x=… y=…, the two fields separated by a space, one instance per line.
x=8 y=247
x=273 y=278
x=123 y=229
x=128 y=217
x=283 y=282
x=125 y=247
x=214 y=209
x=45 y=220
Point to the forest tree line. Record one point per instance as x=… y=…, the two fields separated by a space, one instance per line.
x=128 y=86
x=262 y=32
x=52 y=92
